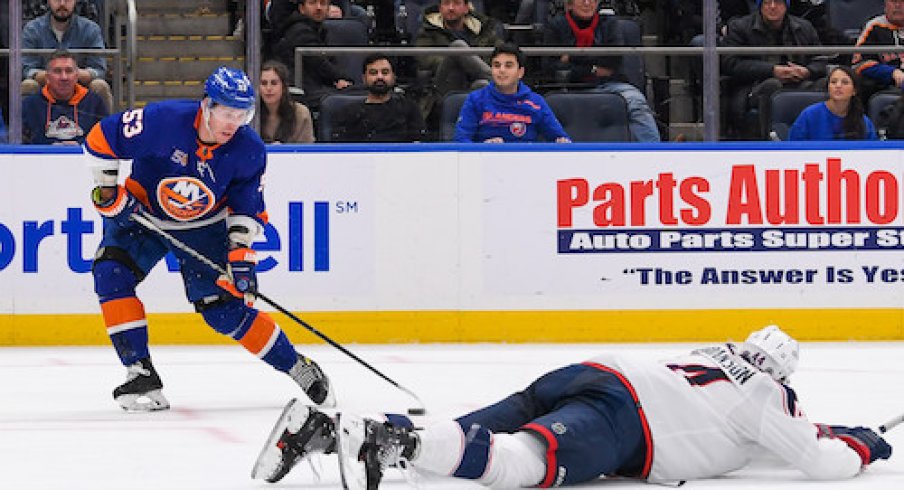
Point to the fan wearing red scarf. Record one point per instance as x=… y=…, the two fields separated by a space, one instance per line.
x=582 y=26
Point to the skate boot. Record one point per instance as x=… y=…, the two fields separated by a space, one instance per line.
x=141 y=391
x=315 y=384
x=367 y=447
x=300 y=432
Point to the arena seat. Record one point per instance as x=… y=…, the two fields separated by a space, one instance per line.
x=786 y=106
x=452 y=103
x=591 y=116
x=329 y=107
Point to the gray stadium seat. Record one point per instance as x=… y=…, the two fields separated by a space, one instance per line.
x=849 y=16
x=787 y=105
x=878 y=102
x=347 y=32
x=452 y=103
x=591 y=116
x=329 y=106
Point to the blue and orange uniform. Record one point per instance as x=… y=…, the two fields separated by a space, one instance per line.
x=188 y=188
x=521 y=117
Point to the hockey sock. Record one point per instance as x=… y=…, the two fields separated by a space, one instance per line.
x=127 y=328
x=263 y=338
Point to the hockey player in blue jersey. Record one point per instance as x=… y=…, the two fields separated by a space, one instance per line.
x=507 y=110
x=197 y=171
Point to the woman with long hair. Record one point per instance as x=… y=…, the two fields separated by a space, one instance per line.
x=840 y=117
x=282 y=119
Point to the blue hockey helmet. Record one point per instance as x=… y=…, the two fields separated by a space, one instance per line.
x=230 y=87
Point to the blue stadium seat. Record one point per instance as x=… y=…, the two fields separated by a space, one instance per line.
x=591 y=116
x=347 y=32
x=786 y=106
x=849 y=16
x=329 y=106
x=452 y=103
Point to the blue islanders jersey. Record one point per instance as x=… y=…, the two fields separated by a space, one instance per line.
x=182 y=180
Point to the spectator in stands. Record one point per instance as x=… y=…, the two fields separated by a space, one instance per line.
x=383 y=115
x=582 y=26
x=305 y=28
x=64 y=111
x=506 y=110
x=882 y=70
x=840 y=117
x=62 y=28
x=754 y=79
x=454 y=23
x=282 y=119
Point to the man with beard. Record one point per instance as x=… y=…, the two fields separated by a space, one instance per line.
x=62 y=28
x=383 y=115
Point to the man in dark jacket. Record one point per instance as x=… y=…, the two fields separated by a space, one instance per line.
x=754 y=79
x=382 y=116
x=582 y=26
x=304 y=27
x=454 y=23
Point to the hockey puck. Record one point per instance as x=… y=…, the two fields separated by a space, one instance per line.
x=417 y=411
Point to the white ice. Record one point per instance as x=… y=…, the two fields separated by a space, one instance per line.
x=60 y=429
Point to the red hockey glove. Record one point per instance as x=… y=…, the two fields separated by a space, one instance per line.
x=240 y=278
x=869 y=445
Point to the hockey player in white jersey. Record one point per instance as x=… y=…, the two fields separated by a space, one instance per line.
x=695 y=416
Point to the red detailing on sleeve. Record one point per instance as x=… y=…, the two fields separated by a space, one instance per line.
x=263 y=216
x=552 y=445
x=647 y=436
x=243 y=254
x=858 y=446
x=97 y=142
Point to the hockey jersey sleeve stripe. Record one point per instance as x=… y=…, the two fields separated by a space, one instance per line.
x=552 y=445
x=647 y=435
x=138 y=191
x=258 y=337
x=121 y=311
x=97 y=143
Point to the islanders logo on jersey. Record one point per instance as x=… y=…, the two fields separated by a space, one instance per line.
x=518 y=128
x=184 y=198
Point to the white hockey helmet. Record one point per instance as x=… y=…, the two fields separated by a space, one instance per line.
x=772 y=351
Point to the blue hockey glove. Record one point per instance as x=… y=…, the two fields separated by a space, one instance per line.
x=241 y=277
x=869 y=445
x=119 y=208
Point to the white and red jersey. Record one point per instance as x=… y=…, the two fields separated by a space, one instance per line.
x=710 y=412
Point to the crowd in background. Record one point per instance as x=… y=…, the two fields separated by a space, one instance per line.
x=302 y=114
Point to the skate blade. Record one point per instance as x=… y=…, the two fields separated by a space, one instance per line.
x=351 y=437
x=269 y=460
x=151 y=401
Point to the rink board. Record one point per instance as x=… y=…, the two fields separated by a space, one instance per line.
x=576 y=243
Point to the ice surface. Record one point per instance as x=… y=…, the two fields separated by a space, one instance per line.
x=60 y=428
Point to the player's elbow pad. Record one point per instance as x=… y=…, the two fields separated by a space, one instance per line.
x=105 y=171
x=243 y=230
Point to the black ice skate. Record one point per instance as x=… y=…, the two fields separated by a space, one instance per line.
x=315 y=384
x=300 y=432
x=367 y=447
x=141 y=391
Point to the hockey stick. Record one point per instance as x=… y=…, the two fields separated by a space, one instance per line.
x=143 y=220
x=891 y=424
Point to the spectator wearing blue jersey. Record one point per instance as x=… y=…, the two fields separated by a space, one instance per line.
x=840 y=116
x=507 y=110
x=63 y=111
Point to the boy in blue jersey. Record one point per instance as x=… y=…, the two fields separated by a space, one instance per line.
x=197 y=171
x=507 y=110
